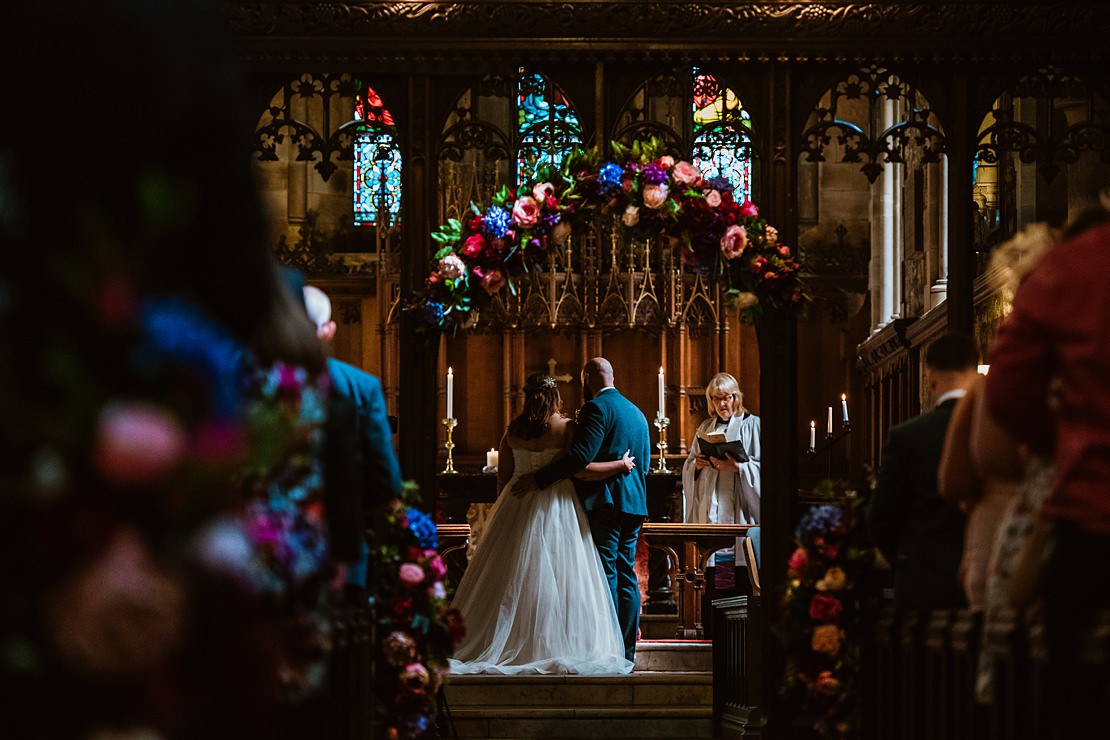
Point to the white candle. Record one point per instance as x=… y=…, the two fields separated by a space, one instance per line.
x=829 y=430
x=451 y=394
x=844 y=406
x=662 y=395
x=491 y=458
x=812 y=435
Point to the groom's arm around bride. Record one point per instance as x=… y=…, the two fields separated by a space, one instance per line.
x=608 y=426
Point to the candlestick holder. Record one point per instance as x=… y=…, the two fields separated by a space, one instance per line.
x=661 y=423
x=830 y=441
x=450 y=423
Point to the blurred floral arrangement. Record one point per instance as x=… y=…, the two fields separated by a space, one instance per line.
x=824 y=613
x=132 y=434
x=653 y=196
x=416 y=629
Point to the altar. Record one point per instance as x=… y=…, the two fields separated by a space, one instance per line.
x=455 y=492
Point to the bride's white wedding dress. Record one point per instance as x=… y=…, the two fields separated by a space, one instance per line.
x=534 y=597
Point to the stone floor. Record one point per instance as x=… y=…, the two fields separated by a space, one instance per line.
x=668 y=695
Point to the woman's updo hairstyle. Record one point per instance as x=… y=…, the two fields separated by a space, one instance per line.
x=541 y=400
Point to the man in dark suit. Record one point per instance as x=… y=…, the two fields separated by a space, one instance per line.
x=358 y=430
x=608 y=426
x=920 y=534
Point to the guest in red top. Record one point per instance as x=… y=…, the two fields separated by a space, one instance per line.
x=1049 y=386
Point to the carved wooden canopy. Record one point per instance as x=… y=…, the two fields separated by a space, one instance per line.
x=721 y=30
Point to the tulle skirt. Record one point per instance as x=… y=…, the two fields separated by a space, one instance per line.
x=534 y=597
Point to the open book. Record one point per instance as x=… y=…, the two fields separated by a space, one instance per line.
x=714 y=445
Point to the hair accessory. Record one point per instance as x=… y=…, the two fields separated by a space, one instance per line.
x=548 y=382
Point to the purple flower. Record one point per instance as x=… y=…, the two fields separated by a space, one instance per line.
x=655 y=175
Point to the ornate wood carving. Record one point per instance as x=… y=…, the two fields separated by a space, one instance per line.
x=1049 y=146
x=752 y=24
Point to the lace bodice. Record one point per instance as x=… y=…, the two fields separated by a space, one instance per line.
x=529 y=461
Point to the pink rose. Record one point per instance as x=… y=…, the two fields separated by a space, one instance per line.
x=491 y=281
x=713 y=199
x=826 y=683
x=631 y=216
x=825 y=608
x=138 y=442
x=734 y=241
x=748 y=209
x=411 y=574
x=415 y=675
x=526 y=212
x=758 y=264
x=784 y=251
x=475 y=244
x=436 y=566
x=798 y=562
x=451 y=267
x=686 y=173
x=118 y=614
x=666 y=162
x=560 y=233
x=627 y=185
x=542 y=191
x=655 y=195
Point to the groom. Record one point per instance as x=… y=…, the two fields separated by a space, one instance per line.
x=608 y=425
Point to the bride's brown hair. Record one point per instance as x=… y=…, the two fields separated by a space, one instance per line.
x=541 y=400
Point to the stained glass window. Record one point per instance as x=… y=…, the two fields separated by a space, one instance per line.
x=722 y=134
x=546 y=124
x=377 y=186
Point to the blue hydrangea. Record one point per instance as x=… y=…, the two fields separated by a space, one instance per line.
x=178 y=331
x=819 y=521
x=432 y=312
x=496 y=222
x=421 y=525
x=609 y=179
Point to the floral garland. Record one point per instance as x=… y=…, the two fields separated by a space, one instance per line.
x=417 y=630
x=823 y=618
x=652 y=195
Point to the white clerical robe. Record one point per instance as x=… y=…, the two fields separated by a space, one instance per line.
x=710 y=496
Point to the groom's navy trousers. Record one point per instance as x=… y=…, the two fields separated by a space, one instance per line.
x=608 y=426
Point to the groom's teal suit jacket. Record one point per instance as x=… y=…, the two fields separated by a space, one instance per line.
x=608 y=425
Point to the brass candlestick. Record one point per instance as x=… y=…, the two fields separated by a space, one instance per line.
x=450 y=423
x=661 y=423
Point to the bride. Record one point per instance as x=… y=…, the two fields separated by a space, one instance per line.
x=534 y=597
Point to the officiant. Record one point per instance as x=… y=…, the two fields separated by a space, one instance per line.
x=723 y=490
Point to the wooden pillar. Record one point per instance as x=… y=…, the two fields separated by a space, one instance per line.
x=778 y=392
x=960 y=136
x=418 y=407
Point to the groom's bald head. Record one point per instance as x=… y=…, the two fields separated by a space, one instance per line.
x=597 y=374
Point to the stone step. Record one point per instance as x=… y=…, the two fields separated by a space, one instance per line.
x=674 y=655
x=615 y=696
x=673 y=727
